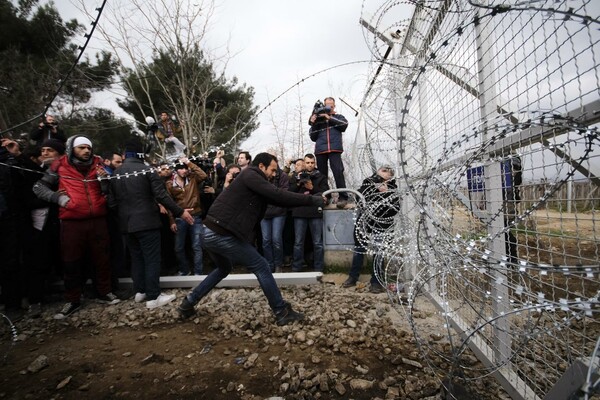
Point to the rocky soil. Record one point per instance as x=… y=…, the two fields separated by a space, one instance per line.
x=352 y=345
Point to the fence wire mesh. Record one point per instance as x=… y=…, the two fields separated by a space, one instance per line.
x=490 y=112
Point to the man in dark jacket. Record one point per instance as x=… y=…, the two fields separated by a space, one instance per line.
x=136 y=200
x=326 y=128
x=376 y=216
x=47 y=129
x=229 y=228
x=11 y=217
x=308 y=182
x=42 y=248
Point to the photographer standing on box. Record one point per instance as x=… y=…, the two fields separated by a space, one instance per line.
x=326 y=128
x=47 y=129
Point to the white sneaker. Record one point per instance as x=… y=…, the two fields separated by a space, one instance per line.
x=139 y=297
x=160 y=301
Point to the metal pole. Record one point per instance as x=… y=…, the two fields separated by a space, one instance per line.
x=569 y=194
x=493 y=189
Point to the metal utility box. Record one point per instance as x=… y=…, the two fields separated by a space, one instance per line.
x=338 y=228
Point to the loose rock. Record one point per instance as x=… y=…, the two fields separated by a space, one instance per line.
x=38 y=364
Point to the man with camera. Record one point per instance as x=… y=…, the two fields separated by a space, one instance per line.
x=184 y=188
x=47 y=129
x=231 y=172
x=382 y=203
x=326 y=128
x=309 y=182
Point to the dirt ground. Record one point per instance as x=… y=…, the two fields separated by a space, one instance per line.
x=185 y=362
x=352 y=345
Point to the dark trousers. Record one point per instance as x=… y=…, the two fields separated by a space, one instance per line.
x=117 y=250
x=288 y=235
x=337 y=168
x=42 y=258
x=167 y=244
x=79 y=238
x=10 y=268
x=357 y=261
x=228 y=251
x=145 y=248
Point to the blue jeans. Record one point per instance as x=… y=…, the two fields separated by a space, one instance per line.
x=227 y=251
x=272 y=240
x=144 y=248
x=183 y=230
x=316 y=231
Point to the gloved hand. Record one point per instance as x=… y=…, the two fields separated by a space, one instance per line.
x=63 y=199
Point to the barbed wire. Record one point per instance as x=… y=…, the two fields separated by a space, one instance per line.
x=13 y=336
x=148 y=170
x=442 y=246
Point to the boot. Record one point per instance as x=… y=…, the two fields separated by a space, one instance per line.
x=186 y=309
x=287 y=315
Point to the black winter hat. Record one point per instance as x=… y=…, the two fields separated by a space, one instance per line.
x=135 y=146
x=54 y=144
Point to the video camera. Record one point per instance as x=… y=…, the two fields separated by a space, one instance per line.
x=303 y=177
x=320 y=108
x=205 y=163
x=378 y=179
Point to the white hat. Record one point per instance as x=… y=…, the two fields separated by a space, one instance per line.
x=81 y=140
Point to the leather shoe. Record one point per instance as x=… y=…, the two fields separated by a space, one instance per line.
x=376 y=288
x=186 y=309
x=349 y=283
x=287 y=316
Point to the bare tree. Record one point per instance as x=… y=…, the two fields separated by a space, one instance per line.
x=172 y=31
x=291 y=129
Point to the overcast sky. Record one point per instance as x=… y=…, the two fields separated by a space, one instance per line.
x=275 y=45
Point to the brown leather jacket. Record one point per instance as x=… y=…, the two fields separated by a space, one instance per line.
x=187 y=197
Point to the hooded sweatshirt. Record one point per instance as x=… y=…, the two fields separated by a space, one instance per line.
x=78 y=180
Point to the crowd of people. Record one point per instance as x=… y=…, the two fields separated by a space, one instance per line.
x=65 y=211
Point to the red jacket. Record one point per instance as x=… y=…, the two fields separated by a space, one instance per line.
x=87 y=199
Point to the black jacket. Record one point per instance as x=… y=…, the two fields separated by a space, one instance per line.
x=281 y=181
x=136 y=196
x=38 y=135
x=380 y=207
x=320 y=185
x=240 y=208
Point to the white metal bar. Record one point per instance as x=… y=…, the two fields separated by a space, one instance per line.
x=234 y=280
